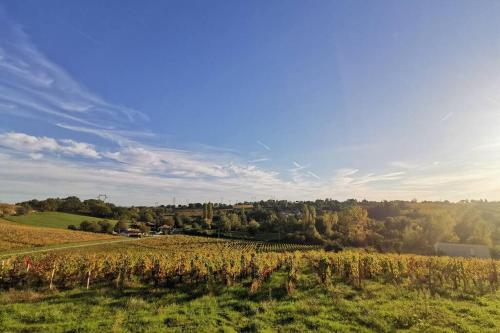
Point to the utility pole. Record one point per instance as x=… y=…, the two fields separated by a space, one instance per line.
x=102 y=197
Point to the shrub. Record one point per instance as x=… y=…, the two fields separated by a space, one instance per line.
x=121 y=225
x=90 y=226
x=253 y=227
x=22 y=210
x=106 y=226
x=144 y=228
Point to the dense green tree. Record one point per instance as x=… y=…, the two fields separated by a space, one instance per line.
x=70 y=204
x=168 y=220
x=49 y=205
x=413 y=237
x=97 y=208
x=243 y=217
x=146 y=215
x=253 y=227
x=90 y=226
x=472 y=229
x=121 y=225
x=144 y=228
x=235 y=221
x=106 y=226
x=205 y=211
x=353 y=223
x=326 y=222
x=223 y=222
x=208 y=215
x=210 y=211
x=179 y=220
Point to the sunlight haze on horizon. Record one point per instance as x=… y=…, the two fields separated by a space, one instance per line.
x=242 y=101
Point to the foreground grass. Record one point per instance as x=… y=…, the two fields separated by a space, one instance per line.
x=378 y=307
x=51 y=219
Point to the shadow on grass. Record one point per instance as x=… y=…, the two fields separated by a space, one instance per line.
x=236 y=297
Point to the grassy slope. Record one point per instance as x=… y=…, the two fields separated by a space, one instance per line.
x=380 y=308
x=51 y=219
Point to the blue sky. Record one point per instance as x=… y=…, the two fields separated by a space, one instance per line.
x=204 y=100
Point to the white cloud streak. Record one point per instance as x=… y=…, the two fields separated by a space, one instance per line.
x=121 y=137
x=32 y=144
x=447 y=116
x=133 y=172
x=31 y=83
x=259 y=160
x=310 y=173
x=266 y=147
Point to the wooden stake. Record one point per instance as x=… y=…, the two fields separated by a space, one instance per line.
x=52 y=277
x=88 y=280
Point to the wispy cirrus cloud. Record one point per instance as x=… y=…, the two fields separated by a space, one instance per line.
x=310 y=173
x=167 y=162
x=263 y=145
x=119 y=136
x=297 y=166
x=143 y=175
x=32 y=84
x=136 y=159
x=128 y=170
x=447 y=116
x=55 y=177
x=403 y=165
x=301 y=173
x=258 y=160
x=134 y=168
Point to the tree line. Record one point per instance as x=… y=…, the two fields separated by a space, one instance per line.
x=396 y=226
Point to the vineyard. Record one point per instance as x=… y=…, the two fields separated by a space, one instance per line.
x=15 y=236
x=185 y=260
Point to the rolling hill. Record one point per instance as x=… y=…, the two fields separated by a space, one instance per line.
x=51 y=219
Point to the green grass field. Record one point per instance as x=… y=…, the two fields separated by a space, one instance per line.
x=376 y=308
x=51 y=219
x=213 y=305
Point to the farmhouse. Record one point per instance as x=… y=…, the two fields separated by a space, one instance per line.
x=132 y=233
x=462 y=250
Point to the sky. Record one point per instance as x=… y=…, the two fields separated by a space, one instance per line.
x=247 y=100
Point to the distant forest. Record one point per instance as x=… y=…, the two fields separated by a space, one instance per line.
x=395 y=226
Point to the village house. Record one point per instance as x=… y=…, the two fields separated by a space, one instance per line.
x=132 y=233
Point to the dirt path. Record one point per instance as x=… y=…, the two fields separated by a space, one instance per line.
x=67 y=246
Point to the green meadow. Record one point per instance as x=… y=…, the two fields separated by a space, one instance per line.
x=312 y=308
x=51 y=219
